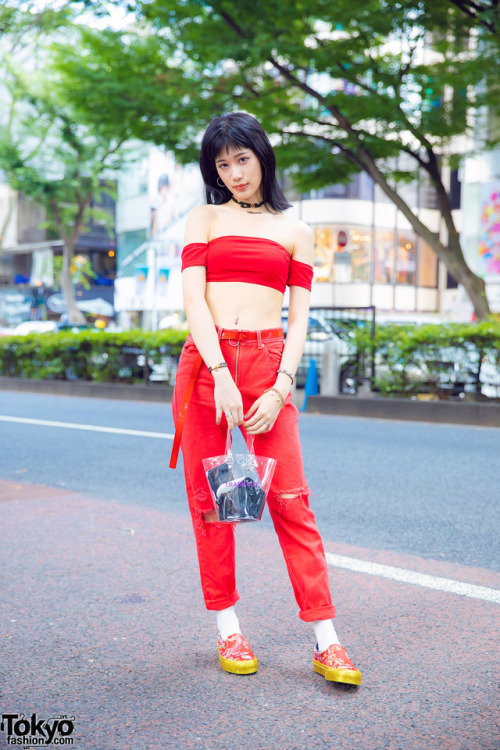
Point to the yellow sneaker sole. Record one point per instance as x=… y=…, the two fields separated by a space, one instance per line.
x=238 y=667
x=337 y=675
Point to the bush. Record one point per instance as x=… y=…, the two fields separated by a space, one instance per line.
x=454 y=359
x=88 y=355
x=442 y=360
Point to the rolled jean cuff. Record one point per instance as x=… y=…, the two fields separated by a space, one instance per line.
x=218 y=604
x=320 y=613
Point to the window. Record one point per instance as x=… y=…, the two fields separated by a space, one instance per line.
x=405 y=258
x=455 y=189
x=360 y=246
x=427 y=265
x=339 y=263
x=325 y=239
x=383 y=256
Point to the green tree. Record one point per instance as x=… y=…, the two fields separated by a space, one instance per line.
x=13 y=33
x=415 y=72
x=486 y=12
x=74 y=98
x=48 y=150
x=45 y=152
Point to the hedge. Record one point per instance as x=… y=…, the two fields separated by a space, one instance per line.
x=89 y=355
x=449 y=359
x=455 y=358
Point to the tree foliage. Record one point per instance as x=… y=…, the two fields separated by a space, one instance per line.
x=69 y=107
x=392 y=88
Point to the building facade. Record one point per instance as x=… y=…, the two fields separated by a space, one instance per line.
x=27 y=262
x=480 y=228
x=155 y=194
x=366 y=252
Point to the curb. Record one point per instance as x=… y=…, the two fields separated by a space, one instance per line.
x=439 y=412
x=120 y=391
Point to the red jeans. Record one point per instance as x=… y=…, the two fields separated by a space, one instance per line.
x=253 y=365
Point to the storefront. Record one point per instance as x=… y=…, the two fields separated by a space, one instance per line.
x=367 y=254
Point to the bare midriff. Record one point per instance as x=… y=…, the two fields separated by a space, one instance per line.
x=237 y=304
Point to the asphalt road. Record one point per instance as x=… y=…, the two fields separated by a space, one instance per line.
x=428 y=490
x=101 y=616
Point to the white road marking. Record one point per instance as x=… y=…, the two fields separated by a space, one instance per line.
x=417 y=579
x=90 y=427
x=338 y=561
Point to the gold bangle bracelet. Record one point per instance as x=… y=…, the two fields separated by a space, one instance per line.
x=280 y=395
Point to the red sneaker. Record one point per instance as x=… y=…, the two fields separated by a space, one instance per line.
x=235 y=655
x=335 y=665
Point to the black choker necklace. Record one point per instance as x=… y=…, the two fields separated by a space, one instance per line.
x=247 y=205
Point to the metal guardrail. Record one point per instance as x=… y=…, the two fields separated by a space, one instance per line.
x=332 y=343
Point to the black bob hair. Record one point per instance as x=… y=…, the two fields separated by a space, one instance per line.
x=239 y=130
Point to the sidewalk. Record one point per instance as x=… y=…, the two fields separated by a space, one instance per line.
x=102 y=619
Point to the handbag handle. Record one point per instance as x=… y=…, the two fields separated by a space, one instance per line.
x=229 y=442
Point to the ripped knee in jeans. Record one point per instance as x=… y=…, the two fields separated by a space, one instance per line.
x=211 y=517
x=202 y=510
x=203 y=513
x=202 y=519
x=285 y=498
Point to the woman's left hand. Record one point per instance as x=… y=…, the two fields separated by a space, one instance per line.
x=262 y=414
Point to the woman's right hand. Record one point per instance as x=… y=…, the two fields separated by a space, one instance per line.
x=228 y=399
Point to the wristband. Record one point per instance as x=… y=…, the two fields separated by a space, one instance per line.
x=217 y=367
x=287 y=372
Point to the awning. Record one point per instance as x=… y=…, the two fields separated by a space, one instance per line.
x=97 y=306
x=32 y=247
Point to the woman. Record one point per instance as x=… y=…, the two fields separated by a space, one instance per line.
x=235 y=370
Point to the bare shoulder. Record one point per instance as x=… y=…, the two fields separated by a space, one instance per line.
x=198 y=224
x=303 y=241
x=302 y=231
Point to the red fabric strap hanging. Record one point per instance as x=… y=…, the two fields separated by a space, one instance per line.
x=183 y=411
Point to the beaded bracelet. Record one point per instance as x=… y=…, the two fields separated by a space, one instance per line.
x=287 y=372
x=280 y=395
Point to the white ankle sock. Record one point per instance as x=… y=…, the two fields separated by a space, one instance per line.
x=227 y=622
x=325 y=634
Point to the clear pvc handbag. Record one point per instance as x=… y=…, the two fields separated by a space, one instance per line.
x=239 y=483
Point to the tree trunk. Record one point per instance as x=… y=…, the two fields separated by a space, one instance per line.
x=474 y=285
x=455 y=263
x=11 y=200
x=75 y=315
x=450 y=254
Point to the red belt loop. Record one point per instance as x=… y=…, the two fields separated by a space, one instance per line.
x=259 y=340
x=182 y=414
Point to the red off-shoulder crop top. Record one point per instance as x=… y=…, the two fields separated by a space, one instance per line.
x=255 y=260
